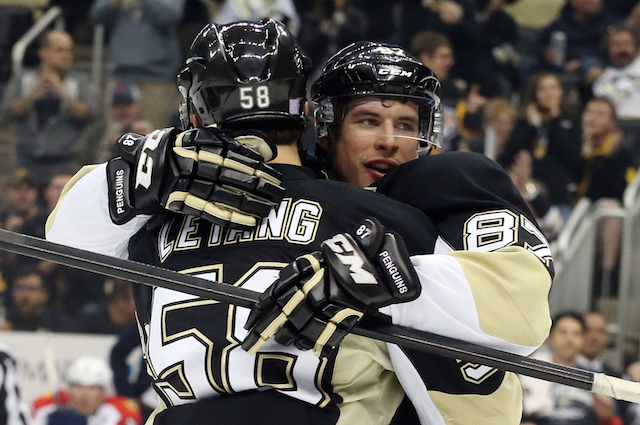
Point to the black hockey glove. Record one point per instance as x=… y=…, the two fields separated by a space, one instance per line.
x=320 y=297
x=203 y=172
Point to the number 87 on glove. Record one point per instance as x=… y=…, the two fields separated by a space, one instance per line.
x=320 y=297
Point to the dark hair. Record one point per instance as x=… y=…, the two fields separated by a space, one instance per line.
x=568 y=314
x=428 y=42
x=282 y=132
x=26 y=267
x=530 y=89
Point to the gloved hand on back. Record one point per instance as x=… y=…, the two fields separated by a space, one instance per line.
x=320 y=297
x=204 y=172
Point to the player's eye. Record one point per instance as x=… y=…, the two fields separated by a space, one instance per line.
x=407 y=127
x=369 y=122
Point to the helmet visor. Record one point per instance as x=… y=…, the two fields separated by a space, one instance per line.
x=403 y=117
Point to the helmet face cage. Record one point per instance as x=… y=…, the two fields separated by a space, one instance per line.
x=378 y=70
x=244 y=71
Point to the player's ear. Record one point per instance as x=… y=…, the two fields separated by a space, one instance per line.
x=195 y=121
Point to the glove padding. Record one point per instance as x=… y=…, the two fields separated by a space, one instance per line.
x=320 y=297
x=203 y=172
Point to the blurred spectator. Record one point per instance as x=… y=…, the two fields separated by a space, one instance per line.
x=608 y=167
x=145 y=49
x=582 y=25
x=620 y=82
x=22 y=213
x=608 y=164
x=535 y=193
x=69 y=289
x=483 y=37
x=253 y=10
x=549 y=403
x=498 y=120
x=29 y=311
x=122 y=117
x=331 y=25
x=434 y=50
x=51 y=107
x=596 y=339
x=129 y=368
x=548 y=133
x=112 y=316
x=86 y=400
x=12 y=410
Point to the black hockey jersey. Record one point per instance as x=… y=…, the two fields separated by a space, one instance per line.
x=475 y=207
x=192 y=345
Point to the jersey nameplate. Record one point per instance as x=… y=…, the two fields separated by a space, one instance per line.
x=295 y=221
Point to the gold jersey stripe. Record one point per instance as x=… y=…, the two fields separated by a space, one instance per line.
x=510 y=282
x=501 y=407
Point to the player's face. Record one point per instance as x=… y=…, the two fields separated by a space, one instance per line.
x=85 y=399
x=376 y=136
x=567 y=338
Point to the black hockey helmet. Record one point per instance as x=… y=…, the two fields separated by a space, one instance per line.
x=367 y=68
x=244 y=71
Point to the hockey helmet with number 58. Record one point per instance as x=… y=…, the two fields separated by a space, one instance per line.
x=244 y=71
x=377 y=69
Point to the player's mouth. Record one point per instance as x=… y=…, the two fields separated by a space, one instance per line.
x=377 y=168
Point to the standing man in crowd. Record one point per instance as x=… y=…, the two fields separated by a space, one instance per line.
x=384 y=121
x=145 y=49
x=51 y=107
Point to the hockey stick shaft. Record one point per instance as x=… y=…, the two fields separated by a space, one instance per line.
x=372 y=328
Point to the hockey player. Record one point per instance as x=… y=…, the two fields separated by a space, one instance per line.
x=348 y=383
x=370 y=119
x=86 y=400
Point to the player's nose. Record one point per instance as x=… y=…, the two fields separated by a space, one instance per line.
x=386 y=139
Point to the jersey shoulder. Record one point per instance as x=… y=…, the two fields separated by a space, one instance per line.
x=441 y=184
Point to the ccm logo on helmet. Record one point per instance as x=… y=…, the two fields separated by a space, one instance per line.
x=395 y=71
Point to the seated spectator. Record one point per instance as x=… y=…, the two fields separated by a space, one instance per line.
x=549 y=403
x=22 y=213
x=607 y=168
x=29 y=311
x=548 y=133
x=434 y=50
x=123 y=117
x=596 y=339
x=329 y=26
x=620 y=81
x=112 y=316
x=70 y=289
x=498 y=120
x=51 y=107
x=584 y=24
x=86 y=400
